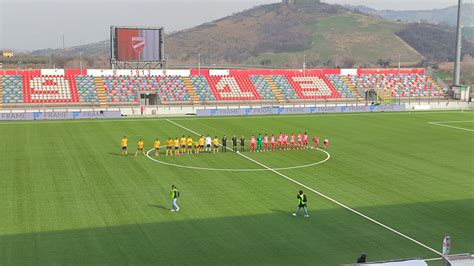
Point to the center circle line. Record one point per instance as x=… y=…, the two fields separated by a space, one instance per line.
x=328 y=156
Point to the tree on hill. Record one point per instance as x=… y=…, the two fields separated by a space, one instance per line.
x=435 y=43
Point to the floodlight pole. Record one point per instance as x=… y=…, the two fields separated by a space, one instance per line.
x=64 y=47
x=304 y=64
x=80 y=61
x=199 y=64
x=399 y=59
x=457 y=61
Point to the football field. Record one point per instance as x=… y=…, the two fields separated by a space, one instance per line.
x=390 y=185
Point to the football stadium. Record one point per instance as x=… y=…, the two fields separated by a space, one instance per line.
x=146 y=160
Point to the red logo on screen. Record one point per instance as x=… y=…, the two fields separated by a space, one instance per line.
x=138 y=44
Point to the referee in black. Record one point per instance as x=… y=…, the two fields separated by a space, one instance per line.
x=234 y=143
x=224 y=143
x=242 y=143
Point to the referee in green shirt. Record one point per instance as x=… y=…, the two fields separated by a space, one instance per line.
x=174 y=193
x=302 y=200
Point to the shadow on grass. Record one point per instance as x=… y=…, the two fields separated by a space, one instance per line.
x=286 y=212
x=118 y=154
x=328 y=237
x=159 y=207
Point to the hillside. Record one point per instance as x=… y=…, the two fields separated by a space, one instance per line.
x=443 y=16
x=420 y=36
x=279 y=35
x=93 y=49
x=349 y=39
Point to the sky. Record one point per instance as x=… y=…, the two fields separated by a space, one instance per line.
x=39 y=24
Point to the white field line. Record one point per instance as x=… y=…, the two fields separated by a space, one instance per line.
x=324 y=196
x=450 y=255
x=429 y=259
x=442 y=124
x=447 y=122
x=328 y=156
x=433 y=259
x=154 y=119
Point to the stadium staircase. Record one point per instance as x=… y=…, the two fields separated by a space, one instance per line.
x=192 y=92
x=274 y=89
x=100 y=91
x=384 y=96
x=351 y=87
x=1 y=96
x=436 y=85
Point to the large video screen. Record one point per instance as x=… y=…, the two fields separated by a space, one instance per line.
x=140 y=45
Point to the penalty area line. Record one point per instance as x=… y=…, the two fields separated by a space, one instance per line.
x=441 y=124
x=323 y=195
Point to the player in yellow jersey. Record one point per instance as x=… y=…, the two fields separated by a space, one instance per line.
x=176 y=146
x=196 y=147
x=215 y=143
x=140 y=145
x=156 y=145
x=182 y=142
x=189 y=143
x=169 y=147
x=124 y=145
x=201 y=144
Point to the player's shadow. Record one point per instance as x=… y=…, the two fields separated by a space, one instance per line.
x=158 y=206
x=117 y=154
x=282 y=211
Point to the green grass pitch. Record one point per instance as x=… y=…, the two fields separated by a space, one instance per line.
x=68 y=196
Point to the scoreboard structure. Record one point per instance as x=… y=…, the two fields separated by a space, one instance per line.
x=136 y=47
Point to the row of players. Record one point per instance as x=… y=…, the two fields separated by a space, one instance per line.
x=260 y=143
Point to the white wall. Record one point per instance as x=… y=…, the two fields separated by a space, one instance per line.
x=347 y=71
x=177 y=72
x=58 y=72
x=139 y=72
x=100 y=72
x=218 y=72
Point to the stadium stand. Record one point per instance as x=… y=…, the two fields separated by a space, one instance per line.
x=126 y=89
x=341 y=86
x=87 y=89
x=263 y=88
x=191 y=90
x=203 y=89
x=285 y=87
x=233 y=88
x=12 y=89
x=171 y=89
x=397 y=85
x=106 y=87
x=120 y=89
x=49 y=89
x=312 y=87
x=350 y=86
x=274 y=88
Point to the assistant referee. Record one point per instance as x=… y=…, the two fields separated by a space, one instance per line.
x=234 y=143
x=224 y=143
